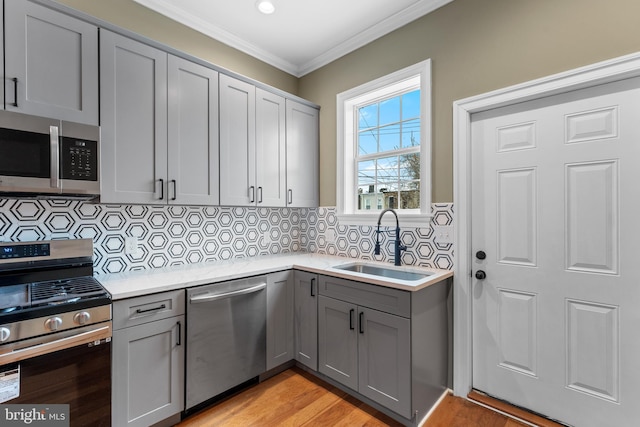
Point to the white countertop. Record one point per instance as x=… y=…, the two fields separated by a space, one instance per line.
x=137 y=283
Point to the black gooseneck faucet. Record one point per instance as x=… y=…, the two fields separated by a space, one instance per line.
x=398 y=246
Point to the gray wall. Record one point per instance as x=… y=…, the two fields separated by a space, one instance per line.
x=476 y=46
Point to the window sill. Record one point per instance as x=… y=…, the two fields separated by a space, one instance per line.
x=371 y=219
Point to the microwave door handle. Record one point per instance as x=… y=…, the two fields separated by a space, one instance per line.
x=55 y=156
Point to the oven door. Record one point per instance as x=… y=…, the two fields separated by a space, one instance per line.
x=73 y=370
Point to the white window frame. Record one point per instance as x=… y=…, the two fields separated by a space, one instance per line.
x=346 y=180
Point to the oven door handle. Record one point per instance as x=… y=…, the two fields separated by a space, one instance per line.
x=91 y=335
x=214 y=297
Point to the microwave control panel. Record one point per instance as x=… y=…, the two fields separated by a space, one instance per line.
x=78 y=159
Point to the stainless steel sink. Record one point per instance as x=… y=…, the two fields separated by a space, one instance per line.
x=380 y=271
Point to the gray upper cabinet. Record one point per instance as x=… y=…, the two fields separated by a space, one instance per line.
x=237 y=142
x=133 y=87
x=159 y=126
x=279 y=318
x=270 y=149
x=193 y=134
x=252 y=145
x=306 y=318
x=51 y=63
x=303 y=189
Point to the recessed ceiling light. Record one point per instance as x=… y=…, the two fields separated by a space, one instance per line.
x=265 y=6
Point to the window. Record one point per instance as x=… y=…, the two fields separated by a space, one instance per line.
x=384 y=148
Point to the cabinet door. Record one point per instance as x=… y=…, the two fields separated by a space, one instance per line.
x=306 y=318
x=270 y=149
x=338 y=341
x=237 y=142
x=384 y=349
x=279 y=318
x=133 y=87
x=303 y=189
x=148 y=372
x=54 y=59
x=193 y=134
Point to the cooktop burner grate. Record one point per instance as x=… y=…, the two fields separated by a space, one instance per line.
x=65 y=290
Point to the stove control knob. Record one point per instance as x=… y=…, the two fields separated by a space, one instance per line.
x=5 y=333
x=53 y=323
x=82 y=318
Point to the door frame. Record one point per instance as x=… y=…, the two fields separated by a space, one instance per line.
x=620 y=68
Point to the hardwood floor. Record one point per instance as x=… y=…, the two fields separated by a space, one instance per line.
x=295 y=398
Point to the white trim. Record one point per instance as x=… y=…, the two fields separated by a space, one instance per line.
x=404 y=17
x=592 y=75
x=345 y=173
x=435 y=406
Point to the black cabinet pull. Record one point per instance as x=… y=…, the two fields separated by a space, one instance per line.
x=175 y=189
x=15 y=89
x=147 y=310
x=290 y=196
x=351 y=313
x=361 y=322
x=252 y=194
x=313 y=282
x=259 y=194
x=179 y=334
x=161 y=188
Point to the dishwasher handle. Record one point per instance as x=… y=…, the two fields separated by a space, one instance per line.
x=214 y=297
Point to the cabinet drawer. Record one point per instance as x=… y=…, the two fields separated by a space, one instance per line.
x=389 y=300
x=139 y=310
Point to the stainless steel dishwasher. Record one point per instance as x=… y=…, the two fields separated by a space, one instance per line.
x=226 y=337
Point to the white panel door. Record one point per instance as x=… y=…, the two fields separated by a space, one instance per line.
x=555 y=211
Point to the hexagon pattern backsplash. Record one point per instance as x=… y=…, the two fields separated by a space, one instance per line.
x=176 y=235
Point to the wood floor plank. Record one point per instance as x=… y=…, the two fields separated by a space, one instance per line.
x=295 y=398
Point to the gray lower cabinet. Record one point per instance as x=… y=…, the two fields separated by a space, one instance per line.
x=279 y=318
x=366 y=350
x=306 y=318
x=148 y=359
x=51 y=63
x=388 y=345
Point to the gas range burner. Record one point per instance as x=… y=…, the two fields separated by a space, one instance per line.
x=65 y=291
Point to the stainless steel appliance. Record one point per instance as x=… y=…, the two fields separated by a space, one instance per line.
x=55 y=329
x=226 y=337
x=48 y=158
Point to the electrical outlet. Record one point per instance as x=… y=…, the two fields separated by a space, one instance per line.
x=130 y=245
x=266 y=237
x=331 y=236
x=443 y=233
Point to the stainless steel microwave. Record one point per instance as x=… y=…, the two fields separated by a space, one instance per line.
x=42 y=157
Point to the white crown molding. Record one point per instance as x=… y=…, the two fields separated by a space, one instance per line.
x=376 y=31
x=218 y=34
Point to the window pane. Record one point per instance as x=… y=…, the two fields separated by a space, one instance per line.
x=368 y=117
x=411 y=105
x=389 y=138
x=390 y=111
x=410 y=167
x=387 y=171
x=411 y=133
x=366 y=176
x=368 y=142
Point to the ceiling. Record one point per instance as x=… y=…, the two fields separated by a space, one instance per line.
x=301 y=35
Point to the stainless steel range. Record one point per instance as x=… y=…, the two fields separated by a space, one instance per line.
x=55 y=329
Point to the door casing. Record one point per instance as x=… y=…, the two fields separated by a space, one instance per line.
x=620 y=68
